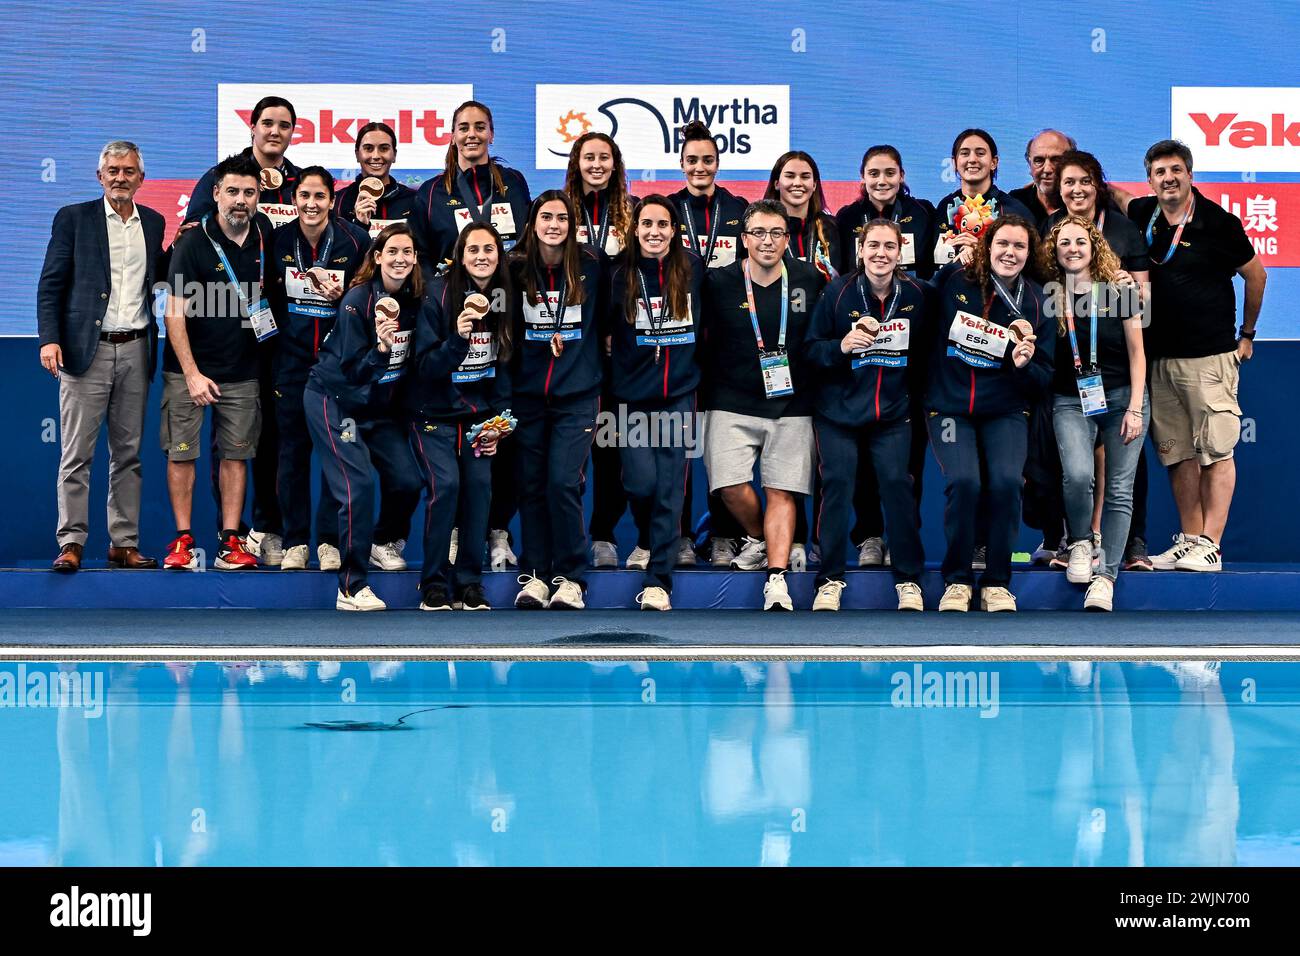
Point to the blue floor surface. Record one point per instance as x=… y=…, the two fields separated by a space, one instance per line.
x=1243 y=587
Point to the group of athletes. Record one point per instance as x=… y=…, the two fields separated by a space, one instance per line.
x=459 y=342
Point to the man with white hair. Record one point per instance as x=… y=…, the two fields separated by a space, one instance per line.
x=99 y=336
x=1043 y=153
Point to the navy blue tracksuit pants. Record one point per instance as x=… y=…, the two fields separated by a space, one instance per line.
x=294 y=478
x=840 y=451
x=554 y=439
x=350 y=456
x=977 y=455
x=457 y=494
x=655 y=478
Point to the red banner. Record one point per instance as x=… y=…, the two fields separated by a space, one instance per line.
x=1269 y=211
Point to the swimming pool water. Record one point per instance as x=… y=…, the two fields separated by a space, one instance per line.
x=936 y=763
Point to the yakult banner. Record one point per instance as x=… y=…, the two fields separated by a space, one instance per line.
x=1239 y=128
x=329 y=115
x=1269 y=212
x=751 y=124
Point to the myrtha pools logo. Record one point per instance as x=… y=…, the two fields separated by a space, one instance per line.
x=750 y=124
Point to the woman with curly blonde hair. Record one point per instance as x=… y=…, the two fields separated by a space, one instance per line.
x=1100 y=394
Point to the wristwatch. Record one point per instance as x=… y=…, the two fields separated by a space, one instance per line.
x=1243 y=334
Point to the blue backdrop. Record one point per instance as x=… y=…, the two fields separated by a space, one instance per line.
x=838 y=77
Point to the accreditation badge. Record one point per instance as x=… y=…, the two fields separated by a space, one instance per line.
x=1092 y=394
x=775 y=366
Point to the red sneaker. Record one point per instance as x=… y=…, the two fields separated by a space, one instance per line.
x=233 y=557
x=180 y=555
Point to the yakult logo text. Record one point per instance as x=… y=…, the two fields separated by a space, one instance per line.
x=970 y=321
x=329 y=116
x=750 y=124
x=1239 y=128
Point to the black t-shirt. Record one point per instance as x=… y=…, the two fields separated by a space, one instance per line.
x=733 y=379
x=1112 y=349
x=1028 y=197
x=221 y=337
x=1124 y=238
x=1193 y=302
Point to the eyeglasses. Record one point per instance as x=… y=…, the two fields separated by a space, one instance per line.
x=761 y=234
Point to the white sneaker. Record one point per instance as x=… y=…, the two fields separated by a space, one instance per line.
x=638 y=559
x=871 y=553
x=1165 y=560
x=1100 y=596
x=604 y=554
x=295 y=558
x=956 y=597
x=997 y=599
x=267 y=548
x=533 y=595
x=724 y=552
x=979 y=558
x=388 y=557
x=1204 y=556
x=828 y=596
x=752 y=557
x=910 y=597
x=454 y=546
x=499 y=554
x=329 y=557
x=798 y=560
x=1079 y=568
x=654 y=599
x=776 y=596
x=685 y=553
x=567 y=596
x=363 y=600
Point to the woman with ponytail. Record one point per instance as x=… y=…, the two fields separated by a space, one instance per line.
x=474 y=187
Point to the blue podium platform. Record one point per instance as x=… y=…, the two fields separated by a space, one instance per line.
x=1239 y=588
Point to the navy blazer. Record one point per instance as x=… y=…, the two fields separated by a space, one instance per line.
x=72 y=298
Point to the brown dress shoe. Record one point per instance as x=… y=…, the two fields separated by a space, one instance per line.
x=69 y=559
x=130 y=558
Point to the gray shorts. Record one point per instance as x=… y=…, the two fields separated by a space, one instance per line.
x=782 y=447
x=237 y=417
